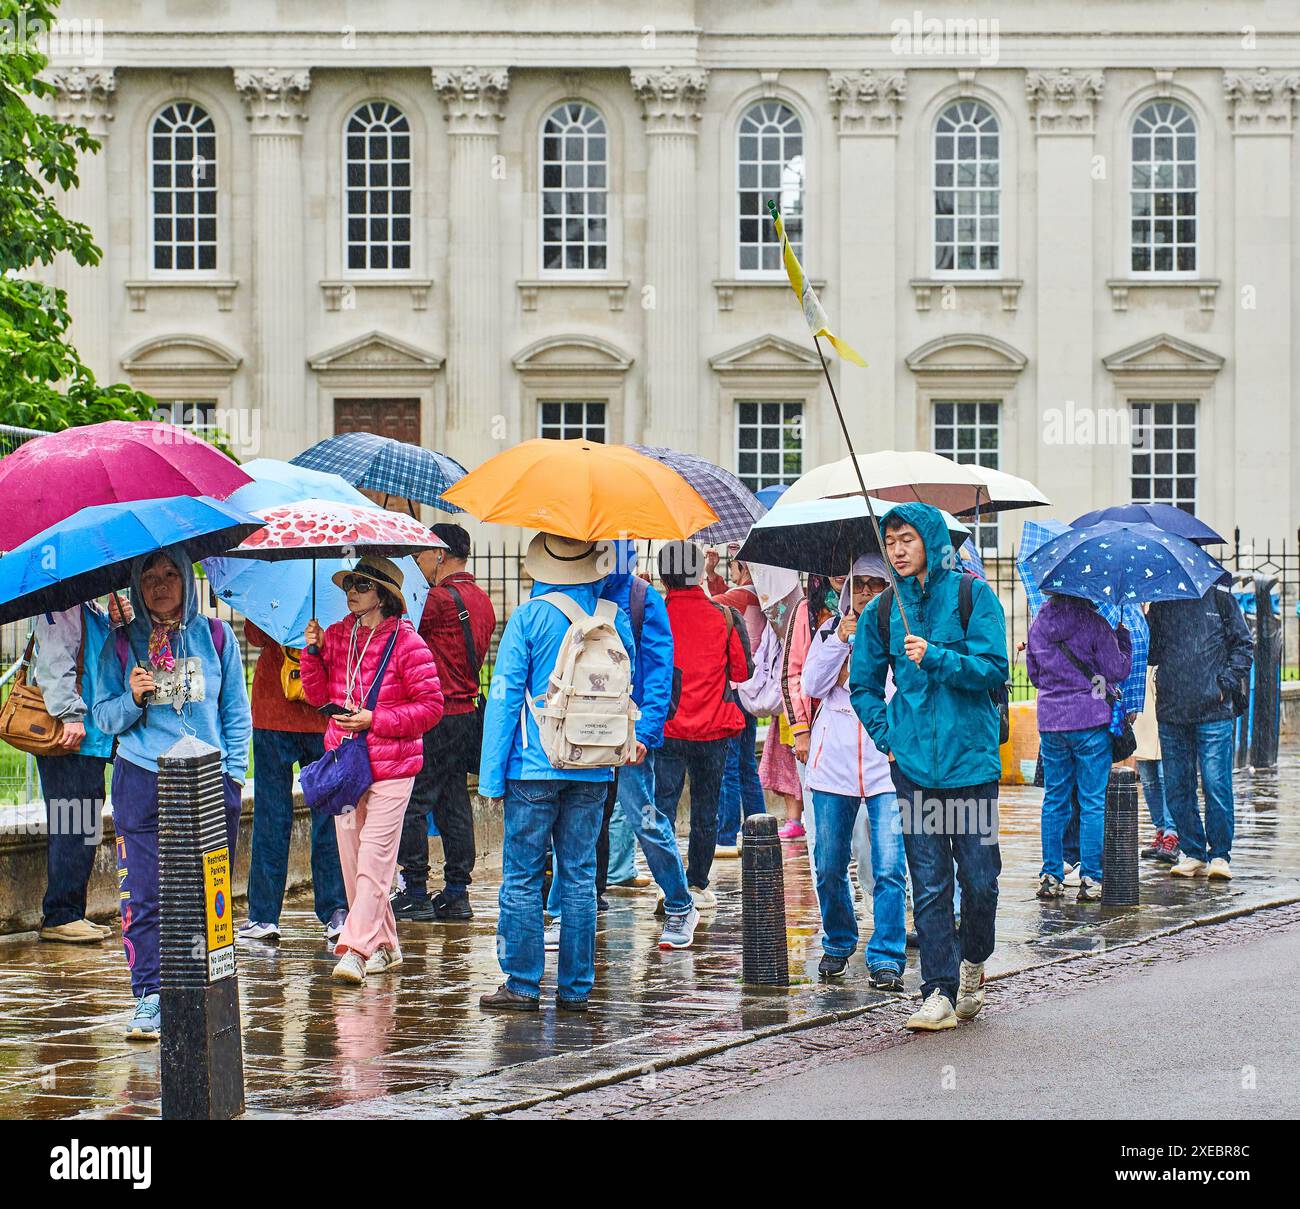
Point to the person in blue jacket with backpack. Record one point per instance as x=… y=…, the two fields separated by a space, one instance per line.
x=940 y=732
x=544 y=806
x=170 y=673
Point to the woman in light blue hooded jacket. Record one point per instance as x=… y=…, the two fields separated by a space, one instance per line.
x=170 y=673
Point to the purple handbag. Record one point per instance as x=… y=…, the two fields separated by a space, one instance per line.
x=336 y=782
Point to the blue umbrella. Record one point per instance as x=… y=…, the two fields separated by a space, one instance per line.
x=767 y=496
x=395 y=468
x=276 y=596
x=91 y=553
x=1133 y=692
x=1118 y=563
x=1162 y=516
x=823 y=536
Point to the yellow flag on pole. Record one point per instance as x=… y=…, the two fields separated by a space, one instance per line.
x=813 y=312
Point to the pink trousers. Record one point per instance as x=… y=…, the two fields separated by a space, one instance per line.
x=368 y=839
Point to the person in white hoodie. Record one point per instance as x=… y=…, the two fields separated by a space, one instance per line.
x=847 y=774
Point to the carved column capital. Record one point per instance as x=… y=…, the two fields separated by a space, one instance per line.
x=865 y=102
x=1261 y=102
x=671 y=98
x=274 y=98
x=1064 y=102
x=83 y=96
x=474 y=97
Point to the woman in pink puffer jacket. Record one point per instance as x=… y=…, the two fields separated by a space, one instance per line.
x=341 y=672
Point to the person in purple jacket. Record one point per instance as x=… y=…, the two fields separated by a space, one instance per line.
x=1073 y=655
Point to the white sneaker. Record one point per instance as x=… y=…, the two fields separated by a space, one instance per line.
x=1071 y=876
x=1219 y=867
x=934 y=1014
x=350 y=969
x=704 y=899
x=382 y=960
x=250 y=929
x=679 y=931
x=551 y=937
x=1189 y=866
x=970 y=990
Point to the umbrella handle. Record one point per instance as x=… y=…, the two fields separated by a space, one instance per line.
x=313 y=649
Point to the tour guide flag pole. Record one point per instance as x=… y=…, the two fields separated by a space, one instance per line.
x=820 y=325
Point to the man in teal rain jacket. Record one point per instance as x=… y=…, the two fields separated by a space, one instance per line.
x=940 y=732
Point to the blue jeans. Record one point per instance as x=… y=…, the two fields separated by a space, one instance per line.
x=740 y=783
x=1182 y=749
x=565 y=815
x=836 y=817
x=933 y=841
x=73 y=788
x=1074 y=762
x=1070 y=838
x=643 y=821
x=622 y=845
x=1153 y=789
x=275 y=752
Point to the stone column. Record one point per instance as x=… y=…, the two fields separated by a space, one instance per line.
x=275 y=100
x=474 y=99
x=1063 y=105
x=84 y=98
x=672 y=101
x=1265 y=497
x=867 y=108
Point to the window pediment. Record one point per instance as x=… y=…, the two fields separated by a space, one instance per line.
x=572 y=354
x=966 y=354
x=767 y=355
x=181 y=354
x=1163 y=354
x=376 y=352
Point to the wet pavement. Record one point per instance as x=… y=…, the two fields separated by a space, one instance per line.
x=415 y=1042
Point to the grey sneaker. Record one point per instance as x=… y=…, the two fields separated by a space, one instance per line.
x=334 y=929
x=146 y=1023
x=970 y=990
x=250 y=929
x=679 y=930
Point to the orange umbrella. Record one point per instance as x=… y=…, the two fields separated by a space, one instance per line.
x=583 y=490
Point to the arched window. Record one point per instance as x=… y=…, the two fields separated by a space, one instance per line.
x=1164 y=189
x=183 y=188
x=967 y=189
x=770 y=165
x=575 y=189
x=377 y=168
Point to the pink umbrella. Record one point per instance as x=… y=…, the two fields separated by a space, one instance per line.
x=53 y=477
x=326 y=529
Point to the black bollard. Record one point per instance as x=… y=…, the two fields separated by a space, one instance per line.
x=762 y=897
x=202 y=1054
x=1119 y=860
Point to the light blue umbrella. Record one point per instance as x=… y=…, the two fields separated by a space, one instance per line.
x=277 y=596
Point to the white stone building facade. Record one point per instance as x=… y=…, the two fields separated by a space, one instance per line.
x=1065 y=236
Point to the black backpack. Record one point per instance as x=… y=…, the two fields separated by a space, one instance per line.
x=965 y=606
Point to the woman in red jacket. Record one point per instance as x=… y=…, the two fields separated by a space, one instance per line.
x=339 y=667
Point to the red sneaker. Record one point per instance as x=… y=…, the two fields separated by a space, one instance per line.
x=1153 y=851
x=1168 y=853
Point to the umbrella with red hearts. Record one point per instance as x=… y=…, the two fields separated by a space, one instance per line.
x=326 y=529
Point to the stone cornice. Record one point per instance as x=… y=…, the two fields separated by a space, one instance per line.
x=83 y=96
x=1262 y=102
x=1063 y=102
x=671 y=98
x=474 y=97
x=866 y=103
x=274 y=98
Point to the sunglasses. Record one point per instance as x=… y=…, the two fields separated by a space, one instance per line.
x=359 y=583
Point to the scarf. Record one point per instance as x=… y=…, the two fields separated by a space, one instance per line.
x=161 y=657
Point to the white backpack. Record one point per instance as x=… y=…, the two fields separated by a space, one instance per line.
x=586 y=719
x=761 y=693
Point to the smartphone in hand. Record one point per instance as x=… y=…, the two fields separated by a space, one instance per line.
x=331 y=710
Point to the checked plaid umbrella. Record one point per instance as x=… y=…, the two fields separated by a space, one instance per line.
x=377 y=463
x=737 y=507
